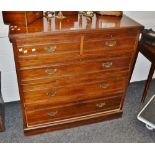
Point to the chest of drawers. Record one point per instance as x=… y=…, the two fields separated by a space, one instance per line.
x=71 y=72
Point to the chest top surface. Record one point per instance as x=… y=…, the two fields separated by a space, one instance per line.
x=73 y=23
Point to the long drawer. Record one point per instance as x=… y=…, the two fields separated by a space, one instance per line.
x=70 y=57
x=74 y=69
x=50 y=115
x=72 y=80
x=58 y=95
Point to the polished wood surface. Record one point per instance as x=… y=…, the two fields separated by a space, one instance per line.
x=78 y=23
x=70 y=111
x=24 y=17
x=73 y=71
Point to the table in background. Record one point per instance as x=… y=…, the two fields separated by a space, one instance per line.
x=149 y=52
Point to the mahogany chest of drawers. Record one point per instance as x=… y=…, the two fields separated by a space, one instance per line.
x=73 y=71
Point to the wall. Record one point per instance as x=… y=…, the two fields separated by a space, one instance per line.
x=7 y=66
x=142 y=66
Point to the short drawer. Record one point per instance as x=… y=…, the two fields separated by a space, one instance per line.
x=106 y=45
x=51 y=48
x=74 y=69
x=58 y=95
x=78 y=109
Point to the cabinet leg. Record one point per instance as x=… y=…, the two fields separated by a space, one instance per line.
x=148 y=82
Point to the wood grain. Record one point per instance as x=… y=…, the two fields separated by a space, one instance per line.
x=48 y=115
x=61 y=87
x=57 y=70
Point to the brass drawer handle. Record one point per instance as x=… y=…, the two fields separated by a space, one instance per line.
x=111 y=43
x=107 y=64
x=52 y=113
x=50 y=71
x=51 y=94
x=100 y=105
x=50 y=49
x=104 y=85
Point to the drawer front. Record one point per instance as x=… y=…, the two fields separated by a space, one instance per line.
x=49 y=115
x=34 y=50
x=71 y=80
x=56 y=96
x=74 y=69
x=109 y=44
x=91 y=55
x=70 y=57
